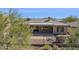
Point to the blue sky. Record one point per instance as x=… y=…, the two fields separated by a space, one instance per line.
x=45 y=12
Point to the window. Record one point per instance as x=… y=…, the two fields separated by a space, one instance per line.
x=61 y=29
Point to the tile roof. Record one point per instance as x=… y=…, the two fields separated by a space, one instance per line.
x=42 y=21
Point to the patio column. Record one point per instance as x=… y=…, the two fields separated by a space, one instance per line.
x=65 y=30
x=54 y=29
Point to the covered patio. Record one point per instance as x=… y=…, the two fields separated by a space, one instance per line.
x=45 y=27
x=48 y=30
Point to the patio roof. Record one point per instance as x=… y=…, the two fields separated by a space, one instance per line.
x=44 y=22
x=49 y=24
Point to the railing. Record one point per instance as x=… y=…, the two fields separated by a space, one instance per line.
x=47 y=33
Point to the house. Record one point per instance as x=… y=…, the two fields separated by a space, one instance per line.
x=45 y=30
x=45 y=26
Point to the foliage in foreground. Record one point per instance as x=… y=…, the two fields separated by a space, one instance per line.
x=13 y=33
x=72 y=41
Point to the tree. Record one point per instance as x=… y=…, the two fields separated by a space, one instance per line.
x=20 y=35
x=28 y=19
x=70 y=19
x=3 y=29
x=49 y=19
x=73 y=40
x=13 y=33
